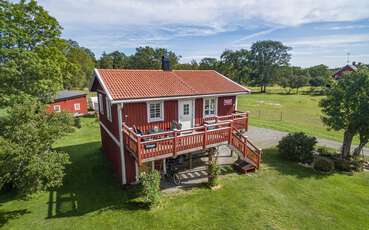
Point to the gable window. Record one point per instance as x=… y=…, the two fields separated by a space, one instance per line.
x=210 y=106
x=101 y=105
x=77 y=106
x=57 y=108
x=108 y=109
x=155 y=111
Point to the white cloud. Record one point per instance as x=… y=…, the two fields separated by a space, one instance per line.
x=210 y=13
x=329 y=40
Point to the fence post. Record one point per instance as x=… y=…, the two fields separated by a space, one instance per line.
x=281 y=117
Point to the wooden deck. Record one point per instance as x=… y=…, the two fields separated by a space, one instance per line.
x=218 y=130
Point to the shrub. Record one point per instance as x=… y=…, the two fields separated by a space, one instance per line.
x=213 y=173
x=342 y=164
x=358 y=164
x=150 y=182
x=297 y=147
x=323 y=164
x=77 y=122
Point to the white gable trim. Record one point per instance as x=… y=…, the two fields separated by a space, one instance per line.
x=98 y=77
x=248 y=90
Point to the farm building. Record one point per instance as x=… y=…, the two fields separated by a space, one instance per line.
x=345 y=69
x=69 y=101
x=149 y=117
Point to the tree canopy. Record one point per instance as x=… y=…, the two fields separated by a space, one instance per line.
x=266 y=56
x=346 y=108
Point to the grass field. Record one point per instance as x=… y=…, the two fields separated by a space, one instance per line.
x=291 y=113
x=282 y=195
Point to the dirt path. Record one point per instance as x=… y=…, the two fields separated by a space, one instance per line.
x=266 y=138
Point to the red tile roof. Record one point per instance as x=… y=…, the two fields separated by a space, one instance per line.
x=134 y=84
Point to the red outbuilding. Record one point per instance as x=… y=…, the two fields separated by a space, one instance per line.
x=69 y=101
x=343 y=70
x=148 y=117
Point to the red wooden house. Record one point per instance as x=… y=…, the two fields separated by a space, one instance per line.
x=148 y=116
x=345 y=69
x=69 y=101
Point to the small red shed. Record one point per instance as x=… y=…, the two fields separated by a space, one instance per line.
x=69 y=101
x=149 y=116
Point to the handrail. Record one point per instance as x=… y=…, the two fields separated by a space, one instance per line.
x=179 y=140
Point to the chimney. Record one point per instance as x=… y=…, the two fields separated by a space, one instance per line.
x=354 y=63
x=165 y=64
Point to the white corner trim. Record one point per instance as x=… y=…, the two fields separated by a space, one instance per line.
x=121 y=147
x=110 y=134
x=97 y=75
x=149 y=120
x=249 y=91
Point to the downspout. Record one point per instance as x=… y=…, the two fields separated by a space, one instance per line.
x=121 y=146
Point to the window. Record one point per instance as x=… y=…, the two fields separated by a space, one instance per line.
x=77 y=106
x=210 y=107
x=57 y=108
x=108 y=109
x=186 y=109
x=101 y=105
x=155 y=111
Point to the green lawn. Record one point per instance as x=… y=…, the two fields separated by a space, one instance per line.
x=282 y=195
x=291 y=113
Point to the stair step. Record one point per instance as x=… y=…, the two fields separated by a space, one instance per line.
x=244 y=166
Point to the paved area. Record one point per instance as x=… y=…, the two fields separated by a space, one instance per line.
x=266 y=138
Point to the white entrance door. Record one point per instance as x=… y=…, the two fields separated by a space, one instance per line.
x=185 y=113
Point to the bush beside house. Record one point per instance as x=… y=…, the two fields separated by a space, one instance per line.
x=297 y=147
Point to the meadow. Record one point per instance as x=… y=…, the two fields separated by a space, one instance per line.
x=282 y=195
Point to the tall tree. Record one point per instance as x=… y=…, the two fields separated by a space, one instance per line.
x=208 y=63
x=346 y=108
x=28 y=64
x=27 y=159
x=150 y=58
x=266 y=56
x=236 y=64
x=319 y=75
x=114 y=60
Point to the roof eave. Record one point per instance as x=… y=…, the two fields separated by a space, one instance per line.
x=133 y=100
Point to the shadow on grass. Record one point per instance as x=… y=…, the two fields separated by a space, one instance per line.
x=271 y=159
x=5 y=216
x=90 y=185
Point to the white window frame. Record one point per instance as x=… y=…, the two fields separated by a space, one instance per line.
x=101 y=104
x=216 y=106
x=57 y=110
x=108 y=109
x=161 y=118
x=77 y=106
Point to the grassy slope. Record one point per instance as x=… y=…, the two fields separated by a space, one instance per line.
x=282 y=195
x=299 y=112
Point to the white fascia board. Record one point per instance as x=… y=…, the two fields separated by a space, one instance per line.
x=176 y=98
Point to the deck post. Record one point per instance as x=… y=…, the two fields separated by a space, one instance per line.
x=139 y=149
x=175 y=143
x=205 y=136
x=230 y=132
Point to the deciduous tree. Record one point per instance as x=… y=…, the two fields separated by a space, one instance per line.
x=346 y=108
x=266 y=56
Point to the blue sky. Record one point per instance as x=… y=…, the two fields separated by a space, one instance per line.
x=320 y=32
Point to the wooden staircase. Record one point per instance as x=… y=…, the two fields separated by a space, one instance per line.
x=250 y=155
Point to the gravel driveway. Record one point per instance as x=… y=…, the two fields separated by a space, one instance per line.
x=265 y=138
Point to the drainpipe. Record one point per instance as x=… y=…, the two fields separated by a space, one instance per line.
x=121 y=146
